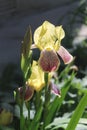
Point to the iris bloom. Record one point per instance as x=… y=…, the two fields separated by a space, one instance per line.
x=48 y=38
x=36 y=80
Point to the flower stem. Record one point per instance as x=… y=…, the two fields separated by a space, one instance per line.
x=22 y=120
x=47 y=99
x=28 y=118
x=21 y=117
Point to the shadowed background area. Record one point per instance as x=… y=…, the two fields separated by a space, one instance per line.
x=16 y=16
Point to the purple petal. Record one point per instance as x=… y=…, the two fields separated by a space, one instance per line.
x=55 y=90
x=65 y=55
x=49 y=61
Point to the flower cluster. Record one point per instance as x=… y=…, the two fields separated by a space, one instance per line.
x=47 y=38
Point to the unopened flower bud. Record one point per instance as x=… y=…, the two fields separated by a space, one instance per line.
x=27 y=94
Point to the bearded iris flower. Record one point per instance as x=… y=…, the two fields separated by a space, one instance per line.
x=48 y=38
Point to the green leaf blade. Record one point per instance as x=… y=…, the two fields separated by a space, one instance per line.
x=78 y=113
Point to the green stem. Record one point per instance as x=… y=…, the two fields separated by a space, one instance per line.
x=28 y=119
x=38 y=100
x=22 y=120
x=35 y=123
x=29 y=111
x=21 y=117
x=47 y=99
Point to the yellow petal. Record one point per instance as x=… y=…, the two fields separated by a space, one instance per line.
x=45 y=36
x=36 y=79
x=60 y=33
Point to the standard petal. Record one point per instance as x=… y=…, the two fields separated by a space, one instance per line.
x=45 y=36
x=65 y=55
x=60 y=33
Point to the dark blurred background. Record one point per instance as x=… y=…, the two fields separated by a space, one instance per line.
x=17 y=15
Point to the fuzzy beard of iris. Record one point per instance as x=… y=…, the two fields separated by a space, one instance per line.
x=49 y=60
